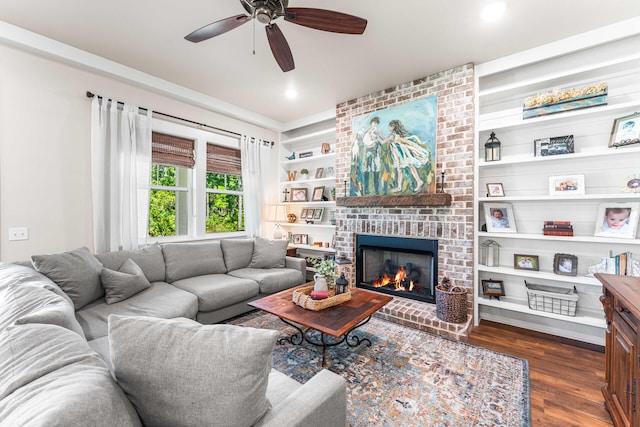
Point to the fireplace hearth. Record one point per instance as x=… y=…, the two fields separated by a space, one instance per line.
x=401 y=266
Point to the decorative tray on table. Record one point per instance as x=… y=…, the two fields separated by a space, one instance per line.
x=302 y=297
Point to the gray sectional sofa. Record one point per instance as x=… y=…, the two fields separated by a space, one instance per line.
x=92 y=340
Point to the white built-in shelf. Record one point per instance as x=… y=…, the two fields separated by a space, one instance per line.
x=305 y=204
x=314 y=248
x=310 y=137
x=302 y=224
x=541 y=275
x=529 y=158
x=330 y=157
x=330 y=180
x=583 y=316
x=546 y=198
x=512 y=117
x=582 y=239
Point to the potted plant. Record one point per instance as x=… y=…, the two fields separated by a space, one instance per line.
x=304 y=173
x=325 y=270
x=333 y=193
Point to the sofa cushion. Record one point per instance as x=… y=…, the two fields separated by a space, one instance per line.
x=124 y=283
x=149 y=259
x=237 y=252
x=159 y=300
x=192 y=259
x=216 y=291
x=50 y=377
x=77 y=272
x=268 y=253
x=179 y=372
x=270 y=280
x=28 y=303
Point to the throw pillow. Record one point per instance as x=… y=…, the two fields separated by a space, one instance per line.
x=184 y=260
x=124 y=283
x=179 y=372
x=76 y=272
x=237 y=253
x=268 y=253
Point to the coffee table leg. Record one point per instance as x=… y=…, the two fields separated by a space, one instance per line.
x=294 y=338
x=356 y=339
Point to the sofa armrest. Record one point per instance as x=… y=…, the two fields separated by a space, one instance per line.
x=320 y=402
x=298 y=264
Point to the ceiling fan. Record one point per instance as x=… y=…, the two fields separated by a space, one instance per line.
x=267 y=11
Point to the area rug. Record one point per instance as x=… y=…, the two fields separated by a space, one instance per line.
x=412 y=378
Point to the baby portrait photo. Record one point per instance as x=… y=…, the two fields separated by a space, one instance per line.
x=499 y=218
x=626 y=131
x=619 y=220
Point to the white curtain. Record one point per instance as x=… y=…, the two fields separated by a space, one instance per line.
x=120 y=171
x=250 y=150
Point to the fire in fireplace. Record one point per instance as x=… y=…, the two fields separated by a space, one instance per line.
x=401 y=266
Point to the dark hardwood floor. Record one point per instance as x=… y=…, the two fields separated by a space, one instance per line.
x=565 y=379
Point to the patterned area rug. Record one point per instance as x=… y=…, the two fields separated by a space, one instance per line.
x=412 y=378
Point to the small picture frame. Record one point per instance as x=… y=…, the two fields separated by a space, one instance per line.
x=296 y=239
x=303 y=214
x=625 y=131
x=493 y=288
x=495 y=190
x=318 y=192
x=305 y=154
x=298 y=194
x=631 y=184
x=317 y=214
x=499 y=218
x=617 y=220
x=526 y=262
x=553 y=146
x=565 y=264
x=319 y=173
x=309 y=214
x=566 y=185
x=304 y=239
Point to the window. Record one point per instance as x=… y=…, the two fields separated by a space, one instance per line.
x=196 y=184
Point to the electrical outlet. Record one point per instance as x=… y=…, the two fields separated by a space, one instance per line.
x=19 y=233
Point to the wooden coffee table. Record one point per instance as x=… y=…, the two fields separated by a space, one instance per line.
x=337 y=322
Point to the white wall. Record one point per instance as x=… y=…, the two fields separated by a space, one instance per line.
x=45 y=176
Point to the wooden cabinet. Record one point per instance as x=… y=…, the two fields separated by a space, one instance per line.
x=621 y=301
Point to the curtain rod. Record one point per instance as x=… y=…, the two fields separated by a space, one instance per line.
x=269 y=143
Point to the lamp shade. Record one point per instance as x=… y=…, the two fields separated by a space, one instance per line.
x=278 y=213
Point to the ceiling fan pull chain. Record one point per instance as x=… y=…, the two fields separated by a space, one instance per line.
x=254 y=37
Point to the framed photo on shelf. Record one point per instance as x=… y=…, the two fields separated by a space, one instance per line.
x=625 y=131
x=499 y=218
x=565 y=185
x=493 y=288
x=565 y=264
x=526 y=262
x=304 y=239
x=553 y=146
x=303 y=214
x=319 y=173
x=296 y=239
x=618 y=220
x=495 y=190
x=317 y=215
x=318 y=192
x=298 y=194
x=309 y=214
x=632 y=184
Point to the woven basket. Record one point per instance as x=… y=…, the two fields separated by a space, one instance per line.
x=451 y=305
x=303 y=298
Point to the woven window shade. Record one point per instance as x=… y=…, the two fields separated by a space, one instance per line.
x=223 y=160
x=172 y=150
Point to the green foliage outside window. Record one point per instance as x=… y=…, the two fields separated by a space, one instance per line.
x=225 y=212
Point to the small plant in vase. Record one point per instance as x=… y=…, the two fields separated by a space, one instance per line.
x=333 y=193
x=304 y=173
x=325 y=272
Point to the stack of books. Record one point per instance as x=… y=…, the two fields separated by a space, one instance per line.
x=620 y=264
x=557 y=228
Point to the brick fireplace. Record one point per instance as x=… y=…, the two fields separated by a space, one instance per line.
x=451 y=225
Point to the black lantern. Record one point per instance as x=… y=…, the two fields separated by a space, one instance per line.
x=492 y=148
x=342 y=284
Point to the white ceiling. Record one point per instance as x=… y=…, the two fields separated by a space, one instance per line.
x=404 y=40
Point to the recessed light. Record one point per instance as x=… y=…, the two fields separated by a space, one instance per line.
x=291 y=93
x=493 y=11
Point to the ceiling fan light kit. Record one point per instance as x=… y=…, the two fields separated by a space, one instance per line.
x=266 y=11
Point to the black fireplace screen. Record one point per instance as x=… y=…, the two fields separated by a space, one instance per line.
x=399 y=266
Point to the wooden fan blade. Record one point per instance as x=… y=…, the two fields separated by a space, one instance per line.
x=280 y=47
x=325 y=20
x=217 y=28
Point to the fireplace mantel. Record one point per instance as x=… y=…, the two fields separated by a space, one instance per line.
x=420 y=199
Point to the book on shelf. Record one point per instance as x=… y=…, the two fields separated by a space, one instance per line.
x=557 y=228
x=557 y=223
x=557 y=232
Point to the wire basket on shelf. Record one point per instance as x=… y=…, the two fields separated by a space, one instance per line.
x=552 y=299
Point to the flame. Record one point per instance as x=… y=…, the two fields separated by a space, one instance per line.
x=396 y=282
